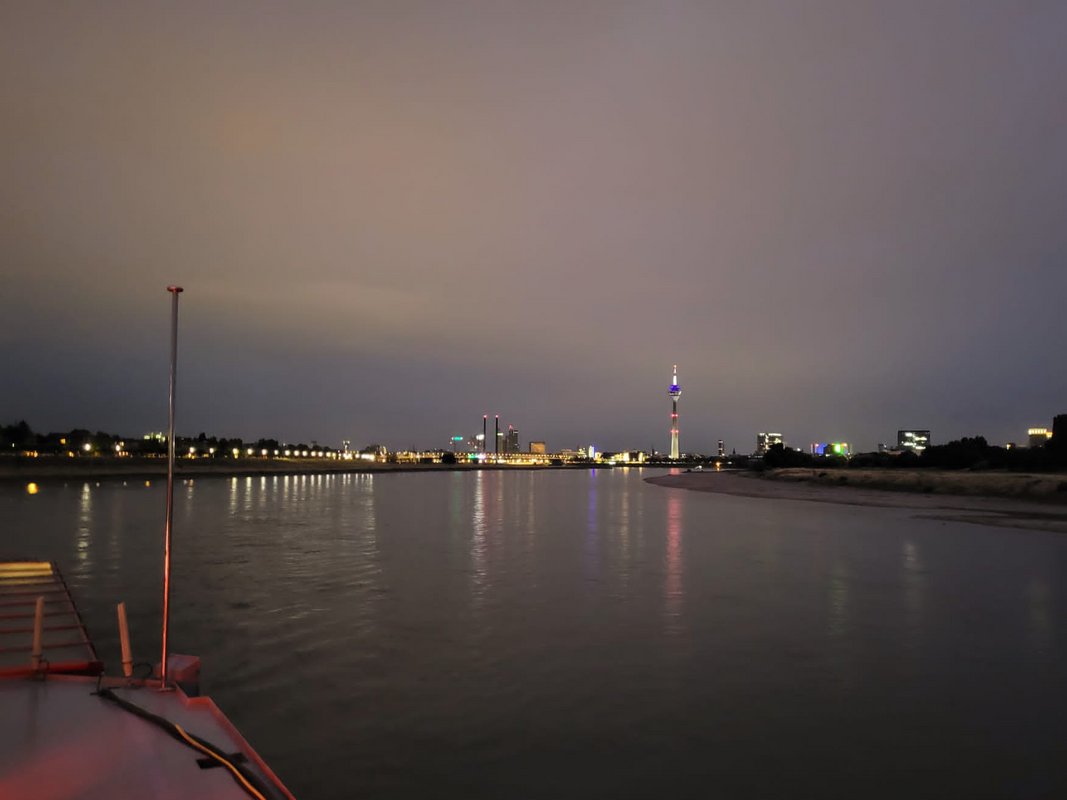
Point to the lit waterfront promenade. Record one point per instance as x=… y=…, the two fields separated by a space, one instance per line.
x=61 y=468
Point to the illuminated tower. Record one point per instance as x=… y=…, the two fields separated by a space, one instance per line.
x=675 y=392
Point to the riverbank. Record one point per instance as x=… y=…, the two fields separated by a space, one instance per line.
x=1037 y=486
x=75 y=469
x=951 y=496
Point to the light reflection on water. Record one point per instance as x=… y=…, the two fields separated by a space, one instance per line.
x=672 y=590
x=573 y=633
x=85 y=516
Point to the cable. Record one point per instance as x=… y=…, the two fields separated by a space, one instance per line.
x=246 y=780
x=224 y=761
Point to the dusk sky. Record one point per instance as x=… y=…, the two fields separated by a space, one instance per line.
x=839 y=219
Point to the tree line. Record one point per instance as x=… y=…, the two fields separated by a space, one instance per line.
x=21 y=438
x=966 y=453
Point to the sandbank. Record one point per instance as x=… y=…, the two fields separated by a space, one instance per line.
x=1044 y=512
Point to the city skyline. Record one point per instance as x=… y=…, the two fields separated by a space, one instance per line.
x=914 y=440
x=841 y=220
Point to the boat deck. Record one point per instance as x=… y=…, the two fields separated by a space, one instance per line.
x=60 y=741
x=65 y=644
x=67 y=735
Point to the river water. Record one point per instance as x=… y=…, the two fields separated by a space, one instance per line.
x=572 y=634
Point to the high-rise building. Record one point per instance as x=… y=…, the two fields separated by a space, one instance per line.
x=915 y=441
x=1039 y=436
x=511 y=440
x=765 y=440
x=722 y=448
x=674 y=392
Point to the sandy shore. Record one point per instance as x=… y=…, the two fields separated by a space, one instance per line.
x=1047 y=512
x=1036 y=486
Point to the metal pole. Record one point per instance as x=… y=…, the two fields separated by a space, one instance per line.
x=174 y=292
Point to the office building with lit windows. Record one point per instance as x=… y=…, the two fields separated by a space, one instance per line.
x=764 y=442
x=915 y=441
x=1039 y=436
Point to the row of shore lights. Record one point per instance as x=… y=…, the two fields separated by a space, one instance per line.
x=251 y=451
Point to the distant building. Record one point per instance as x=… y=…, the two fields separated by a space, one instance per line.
x=831 y=449
x=537 y=448
x=764 y=441
x=378 y=451
x=511 y=441
x=722 y=448
x=1039 y=436
x=915 y=441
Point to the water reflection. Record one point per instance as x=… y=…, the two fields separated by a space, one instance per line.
x=672 y=589
x=1040 y=614
x=455 y=503
x=914 y=583
x=479 y=531
x=591 y=551
x=370 y=515
x=83 y=535
x=233 y=496
x=838 y=599
x=624 y=540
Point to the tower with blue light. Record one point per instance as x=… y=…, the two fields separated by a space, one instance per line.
x=675 y=392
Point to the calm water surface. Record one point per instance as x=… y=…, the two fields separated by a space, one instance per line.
x=584 y=634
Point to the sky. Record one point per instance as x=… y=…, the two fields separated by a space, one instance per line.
x=838 y=218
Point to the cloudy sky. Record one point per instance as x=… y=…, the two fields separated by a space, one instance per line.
x=839 y=219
